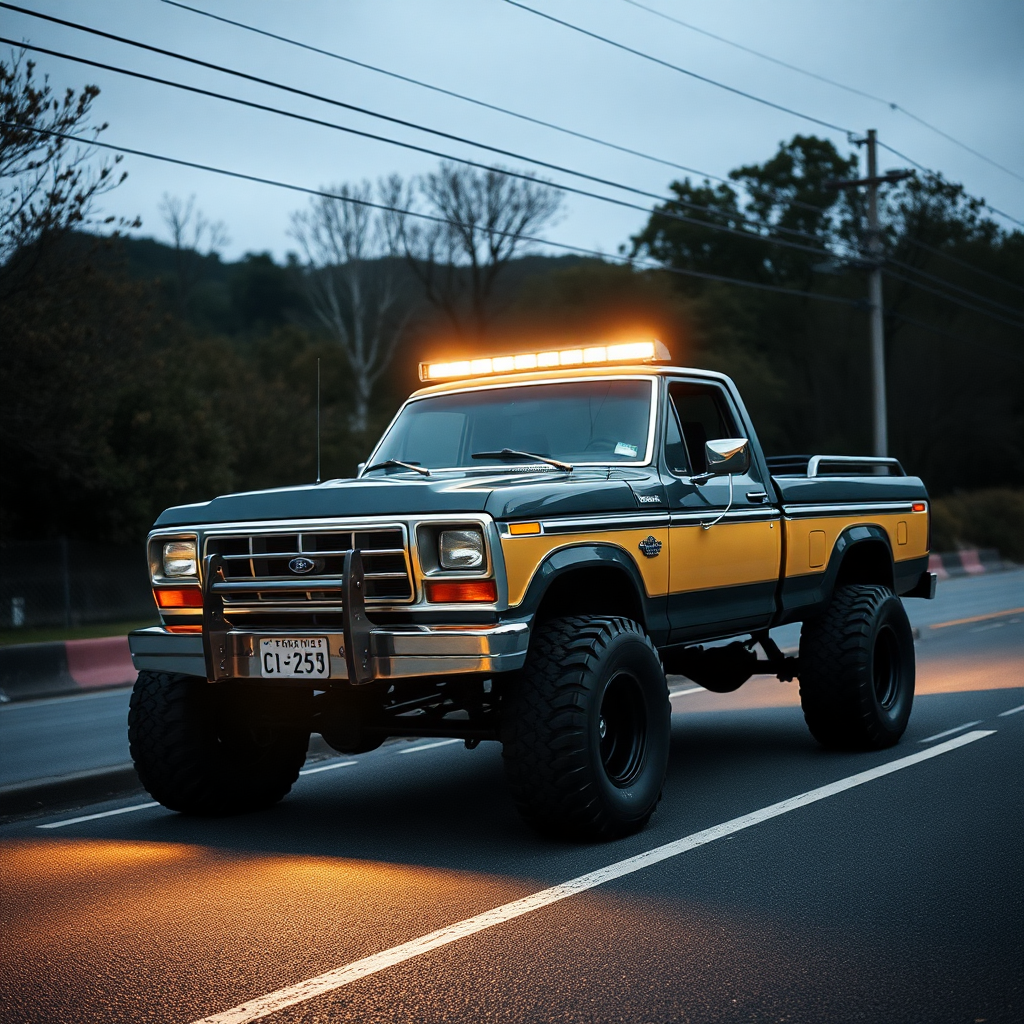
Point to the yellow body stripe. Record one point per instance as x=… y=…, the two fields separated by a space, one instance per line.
x=523 y=556
x=809 y=542
x=727 y=555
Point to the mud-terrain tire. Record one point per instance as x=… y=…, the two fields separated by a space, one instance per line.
x=857 y=669
x=206 y=749
x=585 y=729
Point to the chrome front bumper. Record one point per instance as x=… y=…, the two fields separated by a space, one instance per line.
x=393 y=653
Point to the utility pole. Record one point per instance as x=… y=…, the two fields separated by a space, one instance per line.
x=877 y=311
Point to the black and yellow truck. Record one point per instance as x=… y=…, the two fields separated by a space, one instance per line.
x=536 y=540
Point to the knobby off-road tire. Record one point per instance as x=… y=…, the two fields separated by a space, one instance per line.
x=857 y=669
x=585 y=729
x=206 y=749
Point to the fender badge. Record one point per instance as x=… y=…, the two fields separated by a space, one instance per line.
x=651 y=547
x=302 y=565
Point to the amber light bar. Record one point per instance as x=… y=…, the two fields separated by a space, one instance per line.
x=186 y=597
x=593 y=355
x=454 y=592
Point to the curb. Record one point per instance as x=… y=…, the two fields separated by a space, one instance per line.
x=38 y=796
x=64 y=667
x=967 y=562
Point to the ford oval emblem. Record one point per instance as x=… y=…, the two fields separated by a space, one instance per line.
x=302 y=565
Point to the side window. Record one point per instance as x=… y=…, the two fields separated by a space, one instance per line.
x=675 y=451
x=703 y=416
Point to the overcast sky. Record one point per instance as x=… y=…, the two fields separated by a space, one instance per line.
x=958 y=64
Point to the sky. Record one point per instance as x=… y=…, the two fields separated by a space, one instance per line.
x=956 y=64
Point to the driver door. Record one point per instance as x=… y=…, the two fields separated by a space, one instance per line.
x=724 y=558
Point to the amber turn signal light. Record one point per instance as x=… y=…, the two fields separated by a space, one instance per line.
x=185 y=628
x=186 y=597
x=445 y=592
x=919 y=506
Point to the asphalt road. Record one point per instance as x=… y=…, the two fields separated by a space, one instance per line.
x=890 y=889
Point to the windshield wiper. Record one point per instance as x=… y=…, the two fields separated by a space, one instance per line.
x=398 y=462
x=511 y=453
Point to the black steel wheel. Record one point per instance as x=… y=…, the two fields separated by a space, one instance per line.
x=585 y=729
x=216 y=749
x=857 y=669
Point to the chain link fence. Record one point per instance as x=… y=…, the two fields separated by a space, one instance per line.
x=71 y=583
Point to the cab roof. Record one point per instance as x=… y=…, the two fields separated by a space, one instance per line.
x=562 y=373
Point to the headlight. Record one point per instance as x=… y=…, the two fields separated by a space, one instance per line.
x=180 y=558
x=461 y=549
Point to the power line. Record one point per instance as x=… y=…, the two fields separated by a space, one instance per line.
x=492 y=106
x=953 y=301
x=928 y=170
x=349 y=106
x=682 y=70
x=956 y=287
x=384 y=207
x=946 y=334
x=964 y=263
x=822 y=78
x=710 y=225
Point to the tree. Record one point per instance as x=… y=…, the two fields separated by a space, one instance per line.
x=486 y=219
x=48 y=182
x=190 y=233
x=352 y=283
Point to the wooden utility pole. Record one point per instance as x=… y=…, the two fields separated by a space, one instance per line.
x=877 y=310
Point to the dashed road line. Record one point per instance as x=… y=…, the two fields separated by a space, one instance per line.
x=681 y=693
x=950 y=732
x=327 y=767
x=428 y=746
x=1012 y=711
x=102 y=814
x=975 y=618
x=263 y=1006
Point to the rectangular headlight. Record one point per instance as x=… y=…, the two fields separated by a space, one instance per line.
x=180 y=558
x=461 y=549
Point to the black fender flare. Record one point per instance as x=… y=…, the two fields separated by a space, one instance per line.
x=591 y=555
x=851 y=538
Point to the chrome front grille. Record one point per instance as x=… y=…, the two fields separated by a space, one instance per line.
x=264 y=557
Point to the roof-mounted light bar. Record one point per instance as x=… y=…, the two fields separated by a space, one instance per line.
x=592 y=355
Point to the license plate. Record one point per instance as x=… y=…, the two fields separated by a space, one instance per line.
x=295 y=657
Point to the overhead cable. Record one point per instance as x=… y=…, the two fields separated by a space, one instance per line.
x=709 y=225
x=682 y=70
x=384 y=207
x=963 y=263
x=821 y=78
x=1015 y=310
x=1013 y=356
x=951 y=299
x=928 y=170
x=490 y=106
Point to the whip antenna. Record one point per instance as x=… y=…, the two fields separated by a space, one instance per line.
x=318 y=419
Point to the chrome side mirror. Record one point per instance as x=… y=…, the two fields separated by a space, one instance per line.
x=727 y=456
x=360 y=468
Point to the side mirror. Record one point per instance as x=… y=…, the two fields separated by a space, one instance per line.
x=360 y=468
x=727 y=456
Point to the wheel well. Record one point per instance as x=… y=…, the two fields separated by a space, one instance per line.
x=867 y=562
x=598 y=590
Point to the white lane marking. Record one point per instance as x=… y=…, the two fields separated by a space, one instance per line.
x=991 y=625
x=263 y=1006
x=680 y=693
x=1012 y=711
x=102 y=814
x=428 y=746
x=327 y=767
x=950 y=732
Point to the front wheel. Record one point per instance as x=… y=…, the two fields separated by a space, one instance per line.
x=586 y=727
x=212 y=749
x=857 y=669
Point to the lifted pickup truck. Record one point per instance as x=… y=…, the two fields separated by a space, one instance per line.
x=535 y=541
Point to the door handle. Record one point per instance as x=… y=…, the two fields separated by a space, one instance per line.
x=757 y=496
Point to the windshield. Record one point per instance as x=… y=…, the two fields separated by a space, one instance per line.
x=579 y=422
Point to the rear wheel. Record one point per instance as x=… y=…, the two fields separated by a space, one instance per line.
x=206 y=748
x=857 y=669
x=585 y=729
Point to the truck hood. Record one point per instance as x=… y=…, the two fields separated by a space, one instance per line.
x=503 y=494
